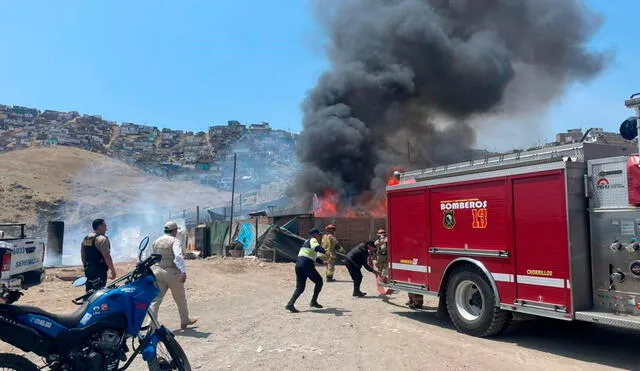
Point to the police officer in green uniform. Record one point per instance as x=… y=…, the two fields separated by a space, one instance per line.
x=95 y=253
x=305 y=268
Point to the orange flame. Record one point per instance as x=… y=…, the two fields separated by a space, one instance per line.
x=330 y=205
x=367 y=205
x=327 y=204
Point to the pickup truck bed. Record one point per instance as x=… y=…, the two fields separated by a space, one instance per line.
x=21 y=258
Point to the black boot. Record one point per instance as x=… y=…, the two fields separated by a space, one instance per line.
x=359 y=294
x=291 y=302
x=315 y=304
x=316 y=292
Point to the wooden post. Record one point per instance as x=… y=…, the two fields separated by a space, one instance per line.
x=233 y=192
x=372 y=227
x=256 y=246
x=274 y=254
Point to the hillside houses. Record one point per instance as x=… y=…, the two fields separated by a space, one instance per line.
x=170 y=138
x=205 y=156
x=221 y=136
x=128 y=128
x=197 y=149
x=17 y=126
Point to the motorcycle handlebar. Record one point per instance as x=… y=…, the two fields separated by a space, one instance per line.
x=80 y=300
x=141 y=267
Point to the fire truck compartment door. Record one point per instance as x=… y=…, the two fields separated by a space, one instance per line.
x=541 y=240
x=409 y=236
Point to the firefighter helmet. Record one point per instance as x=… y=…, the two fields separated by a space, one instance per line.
x=381 y=231
x=330 y=226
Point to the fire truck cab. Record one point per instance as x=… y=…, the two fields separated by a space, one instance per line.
x=550 y=232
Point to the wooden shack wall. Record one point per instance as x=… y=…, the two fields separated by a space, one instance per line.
x=352 y=231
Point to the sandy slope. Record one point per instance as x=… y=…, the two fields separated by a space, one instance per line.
x=40 y=180
x=243 y=326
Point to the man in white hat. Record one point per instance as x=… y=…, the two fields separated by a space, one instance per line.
x=171 y=273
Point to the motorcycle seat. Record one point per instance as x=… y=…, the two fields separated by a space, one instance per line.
x=69 y=320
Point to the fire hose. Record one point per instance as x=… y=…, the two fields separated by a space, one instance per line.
x=380 y=279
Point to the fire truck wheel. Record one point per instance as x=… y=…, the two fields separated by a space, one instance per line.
x=471 y=304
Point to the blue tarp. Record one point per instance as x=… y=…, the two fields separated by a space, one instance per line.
x=246 y=237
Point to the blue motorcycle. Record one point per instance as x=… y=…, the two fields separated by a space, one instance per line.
x=94 y=337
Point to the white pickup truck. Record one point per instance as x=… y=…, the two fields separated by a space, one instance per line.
x=21 y=258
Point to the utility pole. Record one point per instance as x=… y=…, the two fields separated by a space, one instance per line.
x=233 y=191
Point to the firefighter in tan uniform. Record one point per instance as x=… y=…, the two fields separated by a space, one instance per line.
x=381 y=252
x=330 y=244
x=170 y=273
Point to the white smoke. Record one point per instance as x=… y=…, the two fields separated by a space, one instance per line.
x=133 y=205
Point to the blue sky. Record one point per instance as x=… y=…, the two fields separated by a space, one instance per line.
x=191 y=64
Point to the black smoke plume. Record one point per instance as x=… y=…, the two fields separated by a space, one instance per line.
x=399 y=66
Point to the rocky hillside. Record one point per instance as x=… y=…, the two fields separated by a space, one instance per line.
x=39 y=184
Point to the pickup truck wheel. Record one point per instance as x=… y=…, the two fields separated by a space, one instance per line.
x=32 y=278
x=471 y=304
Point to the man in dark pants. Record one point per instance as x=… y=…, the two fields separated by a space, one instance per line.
x=357 y=258
x=95 y=253
x=305 y=268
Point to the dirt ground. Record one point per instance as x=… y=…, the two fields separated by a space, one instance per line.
x=243 y=326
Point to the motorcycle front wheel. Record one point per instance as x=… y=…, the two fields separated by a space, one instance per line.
x=15 y=362
x=172 y=357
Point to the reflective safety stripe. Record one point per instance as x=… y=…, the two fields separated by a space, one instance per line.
x=541 y=281
x=502 y=277
x=532 y=280
x=498 y=277
x=410 y=267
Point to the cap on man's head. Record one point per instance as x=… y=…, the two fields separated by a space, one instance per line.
x=170 y=226
x=314 y=231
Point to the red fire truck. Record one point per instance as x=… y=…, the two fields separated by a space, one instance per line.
x=548 y=232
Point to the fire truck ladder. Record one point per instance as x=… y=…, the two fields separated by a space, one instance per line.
x=569 y=152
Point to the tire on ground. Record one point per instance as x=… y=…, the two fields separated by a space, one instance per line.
x=491 y=319
x=16 y=362
x=178 y=357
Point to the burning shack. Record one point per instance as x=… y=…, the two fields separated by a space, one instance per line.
x=353 y=225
